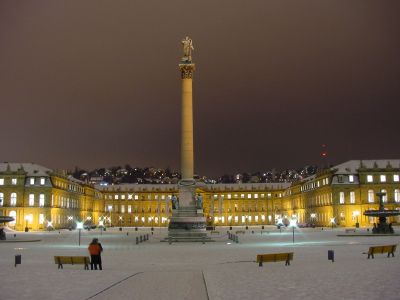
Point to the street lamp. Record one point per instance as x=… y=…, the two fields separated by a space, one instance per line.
x=293 y=224
x=356 y=213
x=332 y=221
x=101 y=225
x=79 y=226
x=70 y=218
x=120 y=221
x=49 y=225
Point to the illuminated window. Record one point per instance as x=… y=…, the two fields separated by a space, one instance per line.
x=31 y=200
x=162 y=197
x=41 y=219
x=384 y=198
x=242 y=196
x=256 y=218
x=371 y=196
x=129 y=196
x=136 y=197
x=122 y=197
x=383 y=178
x=248 y=196
x=269 y=195
x=122 y=208
x=14 y=181
x=41 y=200
x=352 y=197
x=229 y=196
x=42 y=181
x=370 y=178
x=255 y=196
x=1 y=199
x=236 y=219
x=341 y=197
x=109 y=207
x=13 y=199
x=1 y=181
x=396 y=195
x=129 y=209
x=116 y=197
x=351 y=178
x=243 y=219
x=396 y=178
x=32 y=181
x=13 y=214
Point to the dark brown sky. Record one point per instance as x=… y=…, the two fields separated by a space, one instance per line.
x=96 y=83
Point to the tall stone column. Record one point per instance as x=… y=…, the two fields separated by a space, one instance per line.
x=187 y=164
x=187 y=222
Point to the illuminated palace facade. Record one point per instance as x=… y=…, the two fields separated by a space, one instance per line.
x=36 y=196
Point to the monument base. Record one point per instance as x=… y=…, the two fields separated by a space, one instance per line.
x=187 y=224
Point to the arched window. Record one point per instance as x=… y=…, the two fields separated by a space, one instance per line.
x=371 y=196
x=396 y=195
x=13 y=199
x=1 y=199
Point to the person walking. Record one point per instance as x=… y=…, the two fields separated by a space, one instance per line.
x=95 y=250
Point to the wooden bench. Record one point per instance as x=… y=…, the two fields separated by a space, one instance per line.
x=274 y=257
x=214 y=232
x=240 y=231
x=350 y=230
x=389 y=249
x=72 y=260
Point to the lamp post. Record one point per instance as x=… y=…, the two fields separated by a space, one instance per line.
x=101 y=225
x=313 y=215
x=79 y=226
x=120 y=223
x=49 y=225
x=70 y=218
x=293 y=224
x=332 y=222
x=356 y=214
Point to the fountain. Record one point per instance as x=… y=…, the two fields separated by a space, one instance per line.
x=383 y=227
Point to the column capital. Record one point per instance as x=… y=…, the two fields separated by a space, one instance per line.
x=187 y=70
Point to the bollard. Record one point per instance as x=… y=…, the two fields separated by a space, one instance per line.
x=147 y=237
x=152 y=233
x=262 y=227
x=15 y=235
x=135 y=228
x=17 y=259
x=236 y=239
x=169 y=240
x=252 y=231
x=127 y=233
x=141 y=239
x=137 y=240
x=331 y=255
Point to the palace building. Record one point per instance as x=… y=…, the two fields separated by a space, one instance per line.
x=38 y=197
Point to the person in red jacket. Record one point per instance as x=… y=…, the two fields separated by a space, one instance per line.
x=95 y=250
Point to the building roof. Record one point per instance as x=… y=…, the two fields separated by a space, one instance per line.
x=31 y=169
x=352 y=166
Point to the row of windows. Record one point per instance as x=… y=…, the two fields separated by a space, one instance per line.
x=216 y=196
x=371 y=196
x=383 y=178
x=313 y=185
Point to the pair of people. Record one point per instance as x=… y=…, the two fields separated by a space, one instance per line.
x=95 y=250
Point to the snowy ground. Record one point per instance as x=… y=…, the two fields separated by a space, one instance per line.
x=218 y=270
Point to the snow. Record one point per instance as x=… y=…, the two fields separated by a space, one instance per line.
x=31 y=169
x=220 y=269
x=351 y=166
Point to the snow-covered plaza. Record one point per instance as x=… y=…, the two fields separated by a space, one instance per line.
x=216 y=270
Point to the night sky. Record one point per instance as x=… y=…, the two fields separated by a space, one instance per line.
x=96 y=83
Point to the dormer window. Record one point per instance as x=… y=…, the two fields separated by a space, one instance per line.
x=340 y=178
x=383 y=178
x=370 y=178
x=14 y=181
x=351 y=178
x=32 y=181
x=42 y=181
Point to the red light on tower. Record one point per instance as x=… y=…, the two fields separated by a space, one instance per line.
x=324 y=152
